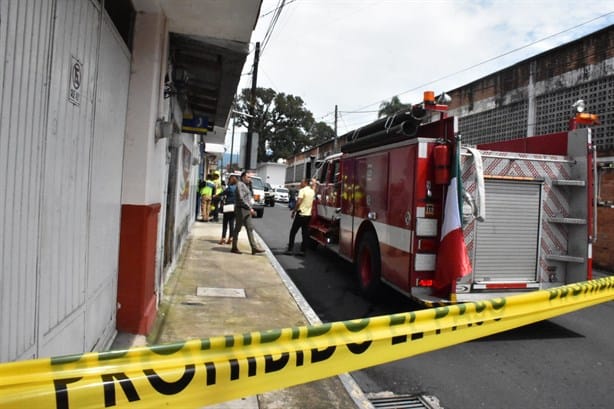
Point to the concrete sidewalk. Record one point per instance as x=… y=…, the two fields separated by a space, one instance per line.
x=213 y=292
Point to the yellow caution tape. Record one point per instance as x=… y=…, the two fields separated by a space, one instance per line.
x=212 y=370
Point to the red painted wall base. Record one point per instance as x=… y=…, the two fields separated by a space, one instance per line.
x=137 y=261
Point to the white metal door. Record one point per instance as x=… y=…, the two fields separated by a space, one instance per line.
x=62 y=121
x=25 y=31
x=64 y=233
x=106 y=186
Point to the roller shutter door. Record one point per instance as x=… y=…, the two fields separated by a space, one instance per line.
x=507 y=242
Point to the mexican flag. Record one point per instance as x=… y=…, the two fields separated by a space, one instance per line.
x=452 y=259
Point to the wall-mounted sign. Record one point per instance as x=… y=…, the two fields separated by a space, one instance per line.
x=76 y=76
x=195 y=124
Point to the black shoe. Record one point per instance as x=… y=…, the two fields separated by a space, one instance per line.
x=236 y=251
x=257 y=251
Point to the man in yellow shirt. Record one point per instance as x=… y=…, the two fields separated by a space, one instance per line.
x=301 y=215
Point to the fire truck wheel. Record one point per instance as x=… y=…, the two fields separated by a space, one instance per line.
x=368 y=266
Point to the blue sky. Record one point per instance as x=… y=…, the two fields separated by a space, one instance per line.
x=358 y=53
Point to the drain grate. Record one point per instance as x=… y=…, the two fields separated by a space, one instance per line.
x=388 y=401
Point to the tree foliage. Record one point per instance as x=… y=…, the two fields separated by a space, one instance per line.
x=284 y=125
x=387 y=108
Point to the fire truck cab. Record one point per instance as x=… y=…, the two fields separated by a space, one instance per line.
x=527 y=211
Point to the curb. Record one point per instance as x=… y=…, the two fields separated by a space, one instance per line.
x=350 y=385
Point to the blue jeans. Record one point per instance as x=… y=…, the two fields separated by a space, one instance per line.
x=228 y=224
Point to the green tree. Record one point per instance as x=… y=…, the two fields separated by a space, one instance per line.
x=264 y=123
x=387 y=108
x=284 y=125
x=321 y=132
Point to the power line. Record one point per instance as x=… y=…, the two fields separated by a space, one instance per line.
x=272 y=24
x=269 y=77
x=276 y=8
x=361 y=112
x=421 y=86
x=574 y=61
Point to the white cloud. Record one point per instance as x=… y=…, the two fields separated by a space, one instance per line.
x=357 y=53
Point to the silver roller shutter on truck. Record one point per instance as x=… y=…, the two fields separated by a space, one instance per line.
x=507 y=242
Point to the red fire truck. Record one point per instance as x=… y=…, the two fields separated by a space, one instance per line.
x=527 y=210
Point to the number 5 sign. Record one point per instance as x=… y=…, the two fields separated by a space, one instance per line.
x=76 y=75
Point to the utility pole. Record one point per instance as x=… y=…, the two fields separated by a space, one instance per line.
x=252 y=110
x=335 y=140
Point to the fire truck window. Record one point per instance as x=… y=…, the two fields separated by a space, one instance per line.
x=323 y=172
x=336 y=172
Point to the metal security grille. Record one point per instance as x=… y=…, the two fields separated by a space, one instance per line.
x=554 y=109
x=506 y=243
x=500 y=124
x=295 y=172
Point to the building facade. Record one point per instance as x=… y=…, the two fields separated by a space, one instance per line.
x=272 y=173
x=100 y=157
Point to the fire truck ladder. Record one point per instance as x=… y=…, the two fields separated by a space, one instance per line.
x=576 y=259
x=572 y=222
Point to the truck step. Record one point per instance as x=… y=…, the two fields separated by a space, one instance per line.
x=568 y=182
x=565 y=258
x=321 y=229
x=333 y=247
x=566 y=220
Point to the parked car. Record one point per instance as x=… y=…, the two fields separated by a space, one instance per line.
x=281 y=194
x=269 y=195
